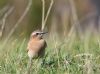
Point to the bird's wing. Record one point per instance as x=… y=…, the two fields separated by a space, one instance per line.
x=42 y=50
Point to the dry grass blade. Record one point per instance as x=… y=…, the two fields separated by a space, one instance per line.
x=18 y=22
x=43 y=11
x=4 y=20
x=74 y=17
x=3 y=10
x=48 y=12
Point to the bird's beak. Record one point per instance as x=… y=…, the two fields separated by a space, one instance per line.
x=43 y=32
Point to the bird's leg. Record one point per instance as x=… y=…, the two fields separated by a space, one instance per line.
x=41 y=61
x=29 y=66
x=37 y=65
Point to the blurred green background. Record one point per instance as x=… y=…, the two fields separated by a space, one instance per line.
x=61 y=18
x=73 y=36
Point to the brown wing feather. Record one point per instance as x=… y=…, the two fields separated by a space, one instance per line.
x=41 y=53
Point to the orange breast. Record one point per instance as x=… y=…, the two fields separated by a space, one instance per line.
x=36 y=45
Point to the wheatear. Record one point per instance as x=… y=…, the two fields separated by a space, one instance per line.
x=36 y=45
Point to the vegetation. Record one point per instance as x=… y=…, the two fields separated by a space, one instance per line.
x=66 y=53
x=71 y=57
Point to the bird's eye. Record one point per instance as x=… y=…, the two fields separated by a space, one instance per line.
x=37 y=33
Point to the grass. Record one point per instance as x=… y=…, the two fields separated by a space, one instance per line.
x=73 y=57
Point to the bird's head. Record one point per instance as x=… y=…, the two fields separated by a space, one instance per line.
x=37 y=34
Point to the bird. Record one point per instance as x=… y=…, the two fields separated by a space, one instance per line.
x=36 y=46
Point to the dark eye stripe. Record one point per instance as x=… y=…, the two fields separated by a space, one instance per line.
x=37 y=33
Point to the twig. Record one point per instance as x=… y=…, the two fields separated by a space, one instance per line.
x=43 y=11
x=18 y=22
x=48 y=12
x=74 y=24
x=3 y=10
x=4 y=20
x=83 y=54
x=74 y=17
